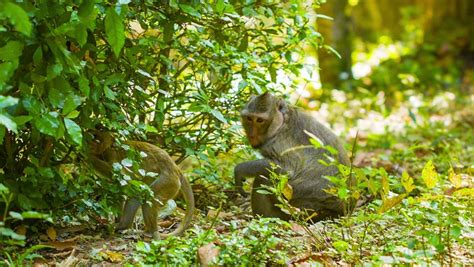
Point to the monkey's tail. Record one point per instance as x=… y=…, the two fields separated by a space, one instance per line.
x=188 y=216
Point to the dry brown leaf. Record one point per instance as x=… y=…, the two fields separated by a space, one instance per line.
x=298 y=229
x=51 y=232
x=208 y=254
x=221 y=215
x=166 y=223
x=21 y=230
x=310 y=259
x=60 y=245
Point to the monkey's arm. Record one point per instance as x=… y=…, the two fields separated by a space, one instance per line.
x=254 y=168
x=102 y=167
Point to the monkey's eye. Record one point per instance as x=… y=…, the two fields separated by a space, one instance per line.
x=249 y=118
x=259 y=120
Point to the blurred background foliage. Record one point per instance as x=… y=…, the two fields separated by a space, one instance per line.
x=175 y=73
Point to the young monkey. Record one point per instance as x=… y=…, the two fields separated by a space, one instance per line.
x=169 y=182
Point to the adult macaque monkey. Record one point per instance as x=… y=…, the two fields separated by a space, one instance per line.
x=103 y=153
x=279 y=132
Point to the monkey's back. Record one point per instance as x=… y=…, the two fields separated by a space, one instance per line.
x=291 y=149
x=157 y=160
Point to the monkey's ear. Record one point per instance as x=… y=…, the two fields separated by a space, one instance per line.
x=282 y=106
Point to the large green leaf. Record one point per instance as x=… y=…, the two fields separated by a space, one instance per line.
x=73 y=130
x=17 y=16
x=190 y=10
x=6 y=71
x=11 y=51
x=7 y=121
x=56 y=97
x=7 y=101
x=87 y=13
x=114 y=30
x=32 y=105
x=71 y=103
x=47 y=124
x=84 y=86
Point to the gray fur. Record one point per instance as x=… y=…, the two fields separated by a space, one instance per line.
x=301 y=164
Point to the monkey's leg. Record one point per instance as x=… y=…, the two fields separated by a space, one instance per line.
x=128 y=213
x=164 y=188
x=150 y=216
x=264 y=205
x=254 y=168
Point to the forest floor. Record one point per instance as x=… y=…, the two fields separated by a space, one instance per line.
x=432 y=224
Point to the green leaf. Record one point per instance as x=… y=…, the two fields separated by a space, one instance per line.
x=429 y=175
x=18 y=17
x=340 y=245
x=32 y=105
x=2 y=134
x=20 y=120
x=33 y=215
x=7 y=101
x=190 y=10
x=4 y=189
x=38 y=56
x=333 y=51
x=321 y=16
x=264 y=192
x=455 y=231
x=114 y=30
x=73 y=130
x=87 y=13
x=219 y=6
x=218 y=115
x=56 y=97
x=84 y=86
x=109 y=93
x=71 y=103
x=7 y=121
x=11 y=51
x=80 y=34
x=6 y=70
x=10 y=233
x=342 y=193
x=54 y=70
x=16 y=215
x=47 y=124
x=73 y=114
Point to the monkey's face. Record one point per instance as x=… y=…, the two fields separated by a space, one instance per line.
x=262 y=118
x=256 y=127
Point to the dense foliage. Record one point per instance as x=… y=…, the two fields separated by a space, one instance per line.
x=172 y=73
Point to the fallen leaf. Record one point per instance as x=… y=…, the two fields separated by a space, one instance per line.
x=219 y=214
x=21 y=230
x=165 y=223
x=298 y=229
x=60 y=245
x=208 y=254
x=51 y=232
